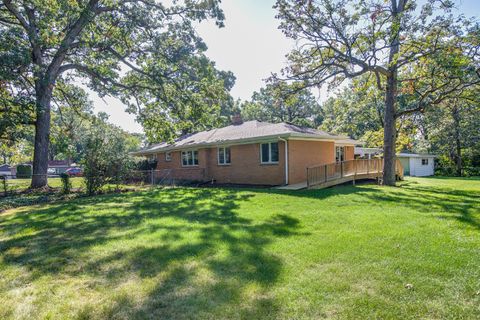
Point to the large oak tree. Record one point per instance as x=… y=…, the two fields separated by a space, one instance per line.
x=339 y=39
x=120 y=47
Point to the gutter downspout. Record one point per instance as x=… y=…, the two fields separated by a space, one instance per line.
x=286 y=159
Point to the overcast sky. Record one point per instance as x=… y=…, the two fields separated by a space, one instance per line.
x=250 y=45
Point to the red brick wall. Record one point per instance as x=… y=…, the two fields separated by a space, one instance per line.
x=245 y=167
x=303 y=154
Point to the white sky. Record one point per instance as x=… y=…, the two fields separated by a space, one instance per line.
x=250 y=45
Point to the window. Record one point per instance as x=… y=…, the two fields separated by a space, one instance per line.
x=339 y=154
x=424 y=162
x=223 y=156
x=168 y=156
x=269 y=152
x=190 y=158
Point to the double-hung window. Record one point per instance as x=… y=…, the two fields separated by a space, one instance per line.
x=424 y=162
x=269 y=152
x=190 y=158
x=223 y=156
x=168 y=156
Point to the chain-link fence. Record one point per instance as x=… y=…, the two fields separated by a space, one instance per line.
x=16 y=184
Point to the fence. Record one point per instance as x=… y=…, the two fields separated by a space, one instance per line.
x=10 y=184
x=348 y=170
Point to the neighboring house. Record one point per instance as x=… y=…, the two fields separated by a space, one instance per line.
x=60 y=166
x=253 y=152
x=417 y=165
x=5 y=170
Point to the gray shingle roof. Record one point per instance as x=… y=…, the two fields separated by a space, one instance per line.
x=247 y=131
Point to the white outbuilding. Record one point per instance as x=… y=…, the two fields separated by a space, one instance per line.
x=417 y=165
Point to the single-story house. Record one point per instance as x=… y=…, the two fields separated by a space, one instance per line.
x=252 y=152
x=59 y=166
x=417 y=165
x=6 y=170
x=56 y=167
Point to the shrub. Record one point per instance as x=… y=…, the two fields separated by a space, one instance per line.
x=3 y=181
x=146 y=165
x=24 y=171
x=66 y=183
x=106 y=159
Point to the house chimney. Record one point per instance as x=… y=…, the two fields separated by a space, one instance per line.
x=237 y=119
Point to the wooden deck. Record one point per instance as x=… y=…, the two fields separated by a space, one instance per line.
x=328 y=175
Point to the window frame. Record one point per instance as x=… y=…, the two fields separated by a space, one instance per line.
x=424 y=161
x=168 y=156
x=269 y=153
x=190 y=153
x=225 y=163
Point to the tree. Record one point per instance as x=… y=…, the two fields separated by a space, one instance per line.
x=282 y=102
x=348 y=38
x=455 y=120
x=108 y=42
x=354 y=110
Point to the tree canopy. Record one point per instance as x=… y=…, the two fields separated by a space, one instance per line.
x=146 y=52
x=390 y=40
x=282 y=102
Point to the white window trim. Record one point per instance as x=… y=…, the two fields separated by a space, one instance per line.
x=168 y=156
x=426 y=160
x=192 y=153
x=269 y=153
x=224 y=156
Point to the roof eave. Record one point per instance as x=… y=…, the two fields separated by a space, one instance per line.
x=287 y=135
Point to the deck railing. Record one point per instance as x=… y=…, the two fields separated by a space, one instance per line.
x=361 y=168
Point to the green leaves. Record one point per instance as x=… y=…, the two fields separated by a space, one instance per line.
x=282 y=102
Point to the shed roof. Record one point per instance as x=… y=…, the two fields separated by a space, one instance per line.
x=415 y=155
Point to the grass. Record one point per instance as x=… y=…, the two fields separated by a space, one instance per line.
x=20 y=195
x=22 y=184
x=346 y=252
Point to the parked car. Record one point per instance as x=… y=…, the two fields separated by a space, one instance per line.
x=74 y=172
x=51 y=171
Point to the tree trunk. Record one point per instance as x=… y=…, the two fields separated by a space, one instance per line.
x=389 y=128
x=389 y=132
x=458 y=142
x=42 y=136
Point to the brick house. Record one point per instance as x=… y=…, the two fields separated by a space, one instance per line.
x=253 y=152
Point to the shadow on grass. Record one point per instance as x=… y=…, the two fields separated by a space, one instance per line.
x=460 y=205
x=195 y=231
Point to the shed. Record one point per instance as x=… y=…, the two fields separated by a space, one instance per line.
x=417 y=165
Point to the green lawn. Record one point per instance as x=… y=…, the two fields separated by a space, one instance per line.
x=22 y=184
x=347 y=252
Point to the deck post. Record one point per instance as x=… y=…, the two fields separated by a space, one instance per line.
x=354 y=171
x=325 y=173
x=308 y=180
x=341 y=169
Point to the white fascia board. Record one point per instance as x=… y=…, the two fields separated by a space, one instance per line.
x=261 y=139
